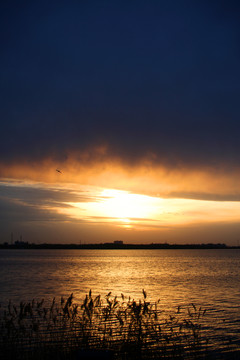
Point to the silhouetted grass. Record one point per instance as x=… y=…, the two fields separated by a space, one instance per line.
x=117 y=328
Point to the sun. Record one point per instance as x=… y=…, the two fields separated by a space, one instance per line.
x=120 y=207
x=124 y=205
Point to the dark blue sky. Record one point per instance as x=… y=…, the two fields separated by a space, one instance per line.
x=143 y=77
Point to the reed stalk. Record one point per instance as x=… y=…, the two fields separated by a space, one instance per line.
x=122 y=327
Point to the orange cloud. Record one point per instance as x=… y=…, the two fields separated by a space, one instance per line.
x=145 y=177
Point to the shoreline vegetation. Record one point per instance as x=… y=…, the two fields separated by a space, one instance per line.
x=116 y=245
x=107 y=327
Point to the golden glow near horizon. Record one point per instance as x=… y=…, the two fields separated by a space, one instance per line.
x=116 y=206
x=130 y=210
x=123 y=209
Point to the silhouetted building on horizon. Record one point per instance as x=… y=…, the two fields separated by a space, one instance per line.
x=118 y=242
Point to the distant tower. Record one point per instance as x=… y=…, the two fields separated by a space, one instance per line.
x=11 y=238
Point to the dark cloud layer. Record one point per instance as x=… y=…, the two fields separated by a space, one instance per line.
x=141 y=77
x=38 y=196
x=205 y=196
x=28 y=204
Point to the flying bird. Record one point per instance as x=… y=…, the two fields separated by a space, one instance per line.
x=59 y=171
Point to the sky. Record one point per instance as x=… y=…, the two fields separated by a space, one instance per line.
x=137 y=104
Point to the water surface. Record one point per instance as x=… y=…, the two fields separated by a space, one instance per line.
x=207 y=278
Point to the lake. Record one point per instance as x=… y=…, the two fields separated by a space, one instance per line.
x=207 y=278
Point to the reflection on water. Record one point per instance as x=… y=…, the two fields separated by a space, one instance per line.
x=208 y=278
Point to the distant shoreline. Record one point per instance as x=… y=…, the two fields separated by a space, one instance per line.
x=113 y=246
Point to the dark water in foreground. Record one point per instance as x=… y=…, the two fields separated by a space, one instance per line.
x=207 y=278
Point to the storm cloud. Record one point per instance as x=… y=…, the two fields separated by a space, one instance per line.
x=157 y=80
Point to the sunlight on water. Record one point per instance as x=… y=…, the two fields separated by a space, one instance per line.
x=207 y=278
